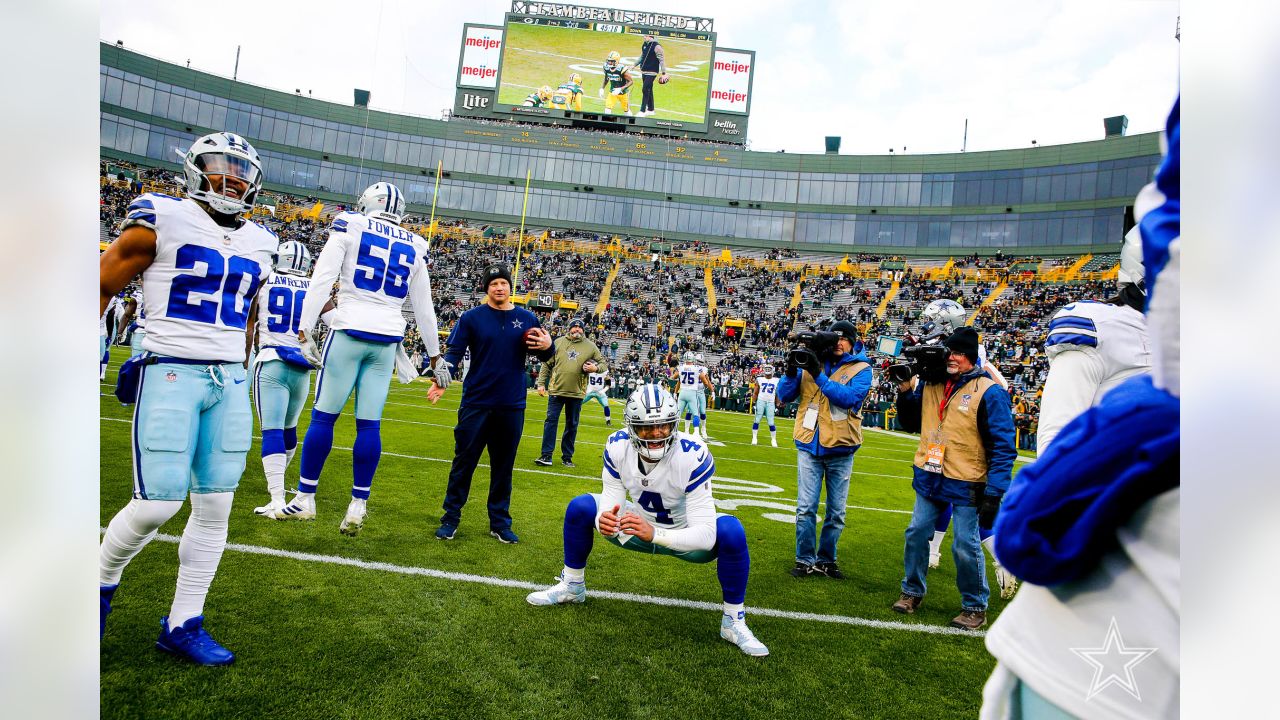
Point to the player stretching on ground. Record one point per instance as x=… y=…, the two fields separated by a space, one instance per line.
x=764 y=393
x=671 y=511
x=201 y=264
x=569 y=95
x=379 y=264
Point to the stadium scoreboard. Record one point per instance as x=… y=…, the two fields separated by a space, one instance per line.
x=547 y=64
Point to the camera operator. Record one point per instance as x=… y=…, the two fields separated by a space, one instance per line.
x=831 y=377
x=965 y=458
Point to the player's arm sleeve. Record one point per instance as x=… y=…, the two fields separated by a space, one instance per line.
x=662 y=59
x=700 y=514
x=424 y=310
x=613 y=492
x=458 y=340
x=847 y=395
x=1072 y=384
x=995 y=424
x=908 y=405
x=328 y=265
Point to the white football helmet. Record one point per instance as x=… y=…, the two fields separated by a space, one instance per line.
x=946 y=315
x=1131 y=270
x=698 y=357
x=293 y=258
x=767 y=370
x=382 y=200
x=223 y=154
x=651 y=406
x=689 y=357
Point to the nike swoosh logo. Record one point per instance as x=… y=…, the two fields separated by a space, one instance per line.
x=239 y=381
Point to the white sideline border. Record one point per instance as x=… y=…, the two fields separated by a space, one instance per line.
x=605 y=594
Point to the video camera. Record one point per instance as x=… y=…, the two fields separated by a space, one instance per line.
x=927 y=361
x=811 y=347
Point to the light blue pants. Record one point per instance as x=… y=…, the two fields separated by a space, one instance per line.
x=687 y=403
x=764 y=408
x=598 y=397
x=702 y=403
x=135 y=343
x=351 y=364
x=279 y=392
x=191 y=430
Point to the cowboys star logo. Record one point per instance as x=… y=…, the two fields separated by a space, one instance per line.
x=573 y=354
x=517 y=324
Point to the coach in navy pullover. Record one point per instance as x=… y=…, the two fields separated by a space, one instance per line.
x=493 y=399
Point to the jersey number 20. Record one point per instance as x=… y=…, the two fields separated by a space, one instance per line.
x=222 y=279
x=391 y=275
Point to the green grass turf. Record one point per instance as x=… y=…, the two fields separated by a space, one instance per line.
x=535 y=56
x=325 y=641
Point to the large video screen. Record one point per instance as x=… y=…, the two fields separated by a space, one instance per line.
x=542 y=53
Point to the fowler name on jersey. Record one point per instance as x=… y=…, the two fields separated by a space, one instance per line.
x=198 y=290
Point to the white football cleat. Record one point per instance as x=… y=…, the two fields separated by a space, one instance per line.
x=268 y=509
x=302 y=507
x=753 y=439
x=774 y=442
x=705 y=435
x=354 y=520
x=935 y=559
x=1007 y=582
x=737 y=632
x=562 y=593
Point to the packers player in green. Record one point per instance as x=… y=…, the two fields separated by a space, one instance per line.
x=617 y=78
x=569 y=95
x=539 y=97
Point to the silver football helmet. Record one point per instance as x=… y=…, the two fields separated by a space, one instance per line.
x=947 y=316
x=689 y=357
x=699 y=358
x=651 y=410
x=225 y=155
x=382 y=200
x=293 y=258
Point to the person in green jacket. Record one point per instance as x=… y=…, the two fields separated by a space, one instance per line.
x=563 y=381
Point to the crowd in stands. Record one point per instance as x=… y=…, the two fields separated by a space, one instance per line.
x=658 y=306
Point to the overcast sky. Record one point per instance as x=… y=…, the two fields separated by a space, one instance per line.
x=883 y=74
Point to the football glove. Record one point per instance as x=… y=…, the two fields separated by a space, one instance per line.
x=600 y=92
x=309 y=349
x=988 y=508
x=442 y=375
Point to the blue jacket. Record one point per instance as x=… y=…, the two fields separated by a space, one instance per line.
x=995 y=424
x=496 y=340
x=848 y=396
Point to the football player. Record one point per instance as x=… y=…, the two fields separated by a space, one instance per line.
x=201 y=265
x=135 y=322
x=702 y=393
x=1093 y=346
x=617 y=78
x=106 y=334
x=671 y=511
x=598 y=384
x=941 y=318
x=568 y=96
x=281 y=375
x=538 y=97
x=378 y=264
x=688 y=376
x=764 y=394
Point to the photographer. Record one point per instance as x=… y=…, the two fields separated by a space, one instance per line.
x=830 y=376
x=965 y=459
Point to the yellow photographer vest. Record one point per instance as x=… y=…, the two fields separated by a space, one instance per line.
x=836 y=427
x=964 y=457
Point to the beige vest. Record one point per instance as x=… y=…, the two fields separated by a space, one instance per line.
x=836 y=427
x=964 y=458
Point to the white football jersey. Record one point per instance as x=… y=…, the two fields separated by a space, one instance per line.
x=198 y=290
x=689 y=374
x=674 y=496
x=1092 y=347
x=378 y=265
x=702 y=370
x=140 y=315
x=109 y=312
x=768 y=388
x=595 y=382
x=280 y=311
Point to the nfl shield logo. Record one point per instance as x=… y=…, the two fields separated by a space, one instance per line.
x=171 y=376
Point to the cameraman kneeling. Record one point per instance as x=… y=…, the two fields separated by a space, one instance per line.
x=828 y=431
x=965 y=458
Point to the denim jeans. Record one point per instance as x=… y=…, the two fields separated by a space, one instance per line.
x=572 y=410
x=811 y=471
x=966 y=548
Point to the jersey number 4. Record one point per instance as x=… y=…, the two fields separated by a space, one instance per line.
x=222 y=278
x=652 y=502
x=284 y=309
x=391 y=275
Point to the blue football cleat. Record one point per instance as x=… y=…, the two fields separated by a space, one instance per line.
x=105 y=593
x=191 y=641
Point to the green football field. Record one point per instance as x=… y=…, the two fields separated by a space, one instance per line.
x=395 y=624
x=537 y=56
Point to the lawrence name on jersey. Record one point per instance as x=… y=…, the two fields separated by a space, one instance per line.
x=201 y=265
x=657 y=500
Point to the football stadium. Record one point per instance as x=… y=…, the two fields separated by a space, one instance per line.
x=841 y=377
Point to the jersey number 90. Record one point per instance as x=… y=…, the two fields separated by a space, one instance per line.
x=284 y=309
